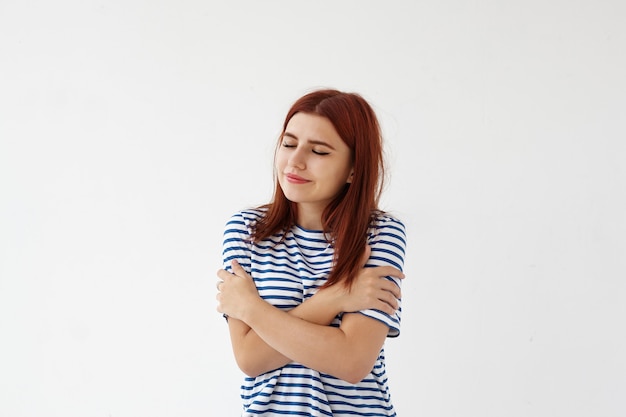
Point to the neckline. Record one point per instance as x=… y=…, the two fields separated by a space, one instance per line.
x=304 y=229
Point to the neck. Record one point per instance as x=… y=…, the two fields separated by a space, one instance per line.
x=310 y=217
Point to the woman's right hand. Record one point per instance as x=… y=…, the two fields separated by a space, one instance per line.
x=371 y=289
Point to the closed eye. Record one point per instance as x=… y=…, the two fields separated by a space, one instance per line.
x=320 y=152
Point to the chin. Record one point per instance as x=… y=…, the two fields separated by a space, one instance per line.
x=294 y=198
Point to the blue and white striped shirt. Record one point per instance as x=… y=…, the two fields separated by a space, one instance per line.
x=287 y=272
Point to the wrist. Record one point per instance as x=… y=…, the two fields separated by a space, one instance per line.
x=333 y=298
x=251 y=309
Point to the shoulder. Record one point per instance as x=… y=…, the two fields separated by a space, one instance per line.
x=244 y=220
x=247 y=217
x=386 y=223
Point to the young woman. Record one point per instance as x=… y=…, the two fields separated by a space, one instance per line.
x=311 y=281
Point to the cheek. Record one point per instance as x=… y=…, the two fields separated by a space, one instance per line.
x=279 y=161
x=337 y=178
x=343 y=170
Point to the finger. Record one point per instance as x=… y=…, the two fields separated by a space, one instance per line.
x=223 y=274
x=389 y=303
x=218 y=283
x=238 y=269
x=390 y=300
x=388 y=271
x=391 y=287
x=386 y=308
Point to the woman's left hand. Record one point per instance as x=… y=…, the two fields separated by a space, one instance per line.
x=237 y=293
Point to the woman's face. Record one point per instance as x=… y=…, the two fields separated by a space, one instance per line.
x=313 y=163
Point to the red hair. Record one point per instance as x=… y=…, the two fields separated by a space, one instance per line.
x=347 y=217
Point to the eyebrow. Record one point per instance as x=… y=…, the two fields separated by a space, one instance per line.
x=311 y=141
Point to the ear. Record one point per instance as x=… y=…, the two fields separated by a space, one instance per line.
x=349 y=180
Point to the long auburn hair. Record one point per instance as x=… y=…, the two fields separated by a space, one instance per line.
x=347 y=217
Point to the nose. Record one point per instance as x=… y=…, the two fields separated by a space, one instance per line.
x=297 y=158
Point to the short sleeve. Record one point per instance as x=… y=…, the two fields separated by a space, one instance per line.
x=387 y=239
x=237 y=243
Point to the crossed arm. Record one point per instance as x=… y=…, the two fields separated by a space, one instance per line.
x=265 y=338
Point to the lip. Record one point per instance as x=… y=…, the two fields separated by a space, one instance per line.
x=296 y=179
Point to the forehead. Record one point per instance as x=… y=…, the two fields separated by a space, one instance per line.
x=313 y=128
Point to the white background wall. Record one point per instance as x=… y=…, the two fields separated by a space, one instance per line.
x=131 y=130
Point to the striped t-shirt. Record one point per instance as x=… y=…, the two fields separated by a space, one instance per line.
x=287 y=271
